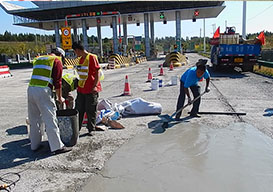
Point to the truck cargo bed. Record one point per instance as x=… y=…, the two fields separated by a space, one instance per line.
x=239 y=49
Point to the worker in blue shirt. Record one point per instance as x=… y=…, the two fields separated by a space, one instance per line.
x=190 y=80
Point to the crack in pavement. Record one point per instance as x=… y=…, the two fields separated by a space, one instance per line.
x=106 y=177
x=62 y=170
x=225 y=101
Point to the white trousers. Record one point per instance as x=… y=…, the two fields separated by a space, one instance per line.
x=42 y=108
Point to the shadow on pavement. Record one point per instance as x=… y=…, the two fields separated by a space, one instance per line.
x=137 y=115
x=158 y=128
x=226 y=72
x=156 y=125
x=83 y=135
x=121 y=95
x=169 y=85
x=18 y=152
x=18 y=130
x=148 y=90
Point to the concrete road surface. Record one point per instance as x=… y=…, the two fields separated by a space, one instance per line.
x=230 y=92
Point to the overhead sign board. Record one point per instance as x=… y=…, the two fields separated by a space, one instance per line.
x=138 y=38
x=66 y=38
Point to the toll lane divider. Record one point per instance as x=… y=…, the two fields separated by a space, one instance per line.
x=116 y=61
x=4 y=71
x=176 y=58
x=264 y=67
x=70 y=63
x=140 y=60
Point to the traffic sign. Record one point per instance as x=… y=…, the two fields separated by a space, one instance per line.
x=161 y=15
x=196 y=13
x=66 y=38
x=137 y=43
x=137 y=47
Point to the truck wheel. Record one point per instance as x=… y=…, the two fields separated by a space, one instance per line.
x=215 y=67
x=247 y=68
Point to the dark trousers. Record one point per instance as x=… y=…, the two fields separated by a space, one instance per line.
x=87 y=103
x=181 y=99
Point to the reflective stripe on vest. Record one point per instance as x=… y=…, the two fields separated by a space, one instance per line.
x=50 y=80
x=83 y=70
x=42 y=70
x=82 y=67
x=82 y=73
x=42 y=67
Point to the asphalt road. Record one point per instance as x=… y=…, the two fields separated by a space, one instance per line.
x=231 y=91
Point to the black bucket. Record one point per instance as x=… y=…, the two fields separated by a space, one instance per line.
x=68 y=122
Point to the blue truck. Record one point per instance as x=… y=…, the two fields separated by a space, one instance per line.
x=231 y=51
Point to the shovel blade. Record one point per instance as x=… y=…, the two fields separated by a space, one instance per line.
x=166 y=118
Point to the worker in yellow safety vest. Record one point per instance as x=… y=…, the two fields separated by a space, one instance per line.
x=88 y=87
x=46 y=76
x=69 y=84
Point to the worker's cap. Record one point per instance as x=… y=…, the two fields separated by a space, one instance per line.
x=59 y=51
x=201 y=62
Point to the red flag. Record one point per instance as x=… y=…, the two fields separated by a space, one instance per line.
x=261 y=37
x=217 y=33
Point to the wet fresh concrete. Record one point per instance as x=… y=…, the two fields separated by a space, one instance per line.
x=190 y=157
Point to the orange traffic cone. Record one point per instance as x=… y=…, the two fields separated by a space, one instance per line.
x=171 y=66
x=84 y=122
x=127 y=90
x=150 y=76
x=161 y=73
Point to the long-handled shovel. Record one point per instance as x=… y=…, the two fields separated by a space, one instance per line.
x=167 y=118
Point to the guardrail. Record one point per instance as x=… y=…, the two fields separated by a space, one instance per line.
x=18 y=65
x=264 y=67
x=265 y=63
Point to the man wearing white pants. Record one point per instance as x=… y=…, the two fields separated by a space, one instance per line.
x=47 y=73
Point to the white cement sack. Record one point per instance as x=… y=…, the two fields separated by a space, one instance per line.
x=139 y=106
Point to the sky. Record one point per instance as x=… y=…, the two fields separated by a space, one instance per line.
x=258 y=17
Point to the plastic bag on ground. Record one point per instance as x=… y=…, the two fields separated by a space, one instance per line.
x=112 y=115
x=104 y=104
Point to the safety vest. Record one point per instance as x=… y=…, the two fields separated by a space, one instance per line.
x=83 y=70
x=101 y=75
x=69 y=78
x=42 y=69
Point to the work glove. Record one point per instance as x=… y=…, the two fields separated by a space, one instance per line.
x=60 y=102
x=207 y=89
